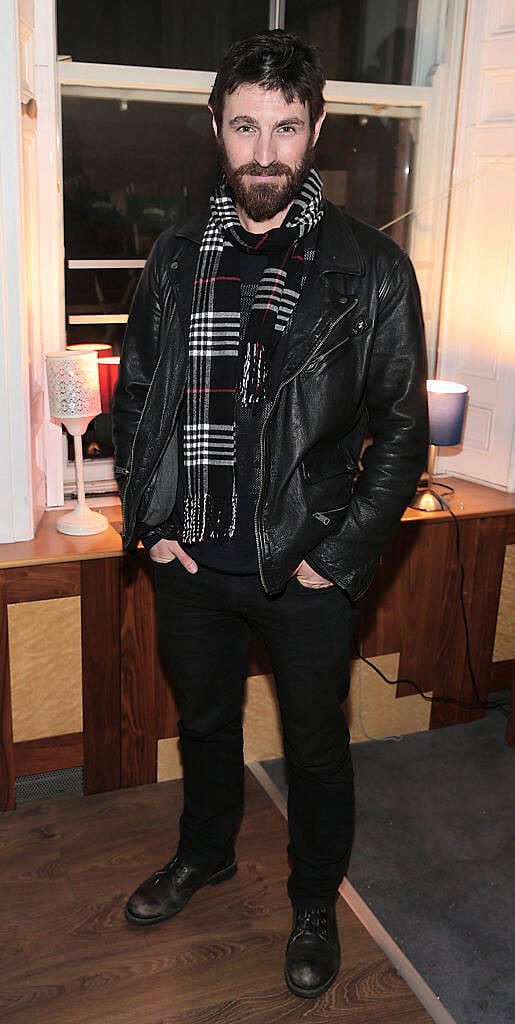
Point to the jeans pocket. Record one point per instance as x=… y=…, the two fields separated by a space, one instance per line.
x=316 y=586
x=161 y=561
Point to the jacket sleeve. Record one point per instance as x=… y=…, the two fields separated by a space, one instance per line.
x=137 y=365
x=396 y=405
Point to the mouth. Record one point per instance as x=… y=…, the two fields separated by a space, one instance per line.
x=264 y=177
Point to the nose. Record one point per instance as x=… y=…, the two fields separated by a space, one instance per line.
x=265 y=149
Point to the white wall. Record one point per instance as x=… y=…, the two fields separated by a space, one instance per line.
x=31 y=264
x=16 y=517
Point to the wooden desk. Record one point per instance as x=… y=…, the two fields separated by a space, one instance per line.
x=413 y=607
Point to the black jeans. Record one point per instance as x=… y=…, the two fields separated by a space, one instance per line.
x=205 y=622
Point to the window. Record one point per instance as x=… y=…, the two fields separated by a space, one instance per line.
x=138 y=152
x=360 y=42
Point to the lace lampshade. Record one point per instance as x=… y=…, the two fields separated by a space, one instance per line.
x=74 y=399
x=73 y=388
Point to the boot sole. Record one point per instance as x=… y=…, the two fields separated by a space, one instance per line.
x=216 y=879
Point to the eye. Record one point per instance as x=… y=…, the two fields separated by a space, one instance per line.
x=244 y=129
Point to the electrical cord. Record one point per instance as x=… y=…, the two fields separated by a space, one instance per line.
x=487 y=704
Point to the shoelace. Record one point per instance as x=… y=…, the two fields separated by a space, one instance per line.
x=311 y=919
x=164 y=871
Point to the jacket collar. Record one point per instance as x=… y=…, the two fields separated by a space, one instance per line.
x=194 y=229
x=337 y=248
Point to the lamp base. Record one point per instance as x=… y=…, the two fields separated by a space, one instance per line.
x=428 y=501
x=82 y=522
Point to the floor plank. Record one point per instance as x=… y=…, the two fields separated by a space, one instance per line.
x=69 y=957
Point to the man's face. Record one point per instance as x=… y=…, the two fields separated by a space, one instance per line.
x=267 y=148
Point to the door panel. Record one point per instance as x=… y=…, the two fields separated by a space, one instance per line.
x=477 y=344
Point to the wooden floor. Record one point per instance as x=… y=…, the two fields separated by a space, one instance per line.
x=69 y=957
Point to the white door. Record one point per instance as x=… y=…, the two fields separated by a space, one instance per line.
x=478 y=322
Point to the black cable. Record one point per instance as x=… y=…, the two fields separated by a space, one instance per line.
x=445 y=487
x=488 y=705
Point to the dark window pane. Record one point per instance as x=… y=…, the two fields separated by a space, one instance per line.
x=359 y=41
x=100 y=291
x=366 y=164
x=96 y=334
x=131 y=170
x=156 y=33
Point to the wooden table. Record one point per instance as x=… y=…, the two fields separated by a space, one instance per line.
x=413 y=607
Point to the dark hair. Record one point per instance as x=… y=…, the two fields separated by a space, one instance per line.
x=273 y=60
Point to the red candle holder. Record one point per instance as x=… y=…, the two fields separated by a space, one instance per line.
x=108 y=368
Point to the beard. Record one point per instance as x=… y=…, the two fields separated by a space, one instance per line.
x=262 y=201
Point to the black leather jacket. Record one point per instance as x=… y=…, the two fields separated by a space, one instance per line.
x=355 y=366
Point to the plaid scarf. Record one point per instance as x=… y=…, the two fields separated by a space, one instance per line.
x=209 y=431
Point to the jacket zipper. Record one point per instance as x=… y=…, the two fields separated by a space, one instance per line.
x=282 y=385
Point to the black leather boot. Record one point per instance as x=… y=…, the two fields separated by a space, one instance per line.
x=167 y=891
x=313 y=951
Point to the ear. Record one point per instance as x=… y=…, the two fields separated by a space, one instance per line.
x=213 y=122
x=316 y=129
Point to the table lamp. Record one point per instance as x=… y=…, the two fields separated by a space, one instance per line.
x=74 y=399
x=447 y=403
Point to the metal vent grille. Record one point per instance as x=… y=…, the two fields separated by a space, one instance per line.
x=47 y=785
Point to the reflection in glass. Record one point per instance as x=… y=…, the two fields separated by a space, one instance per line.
x=359 y=41
x=156 y=33
x=101 y=290
x=366 y=165
x=91 y=334
x=131 y=169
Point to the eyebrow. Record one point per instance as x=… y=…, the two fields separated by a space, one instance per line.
x=247 y=119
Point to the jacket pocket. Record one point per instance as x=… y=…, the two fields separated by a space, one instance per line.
x=325 y=463
x=329 y=474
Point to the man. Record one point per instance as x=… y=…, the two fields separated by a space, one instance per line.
x=267 y=338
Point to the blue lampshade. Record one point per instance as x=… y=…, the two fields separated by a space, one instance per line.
x=447 y=403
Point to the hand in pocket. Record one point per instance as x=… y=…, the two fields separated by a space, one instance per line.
x=310 y=578
x=167 y=550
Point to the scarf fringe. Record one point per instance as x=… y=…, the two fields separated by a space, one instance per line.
x=255 y=371
x=209 y=518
